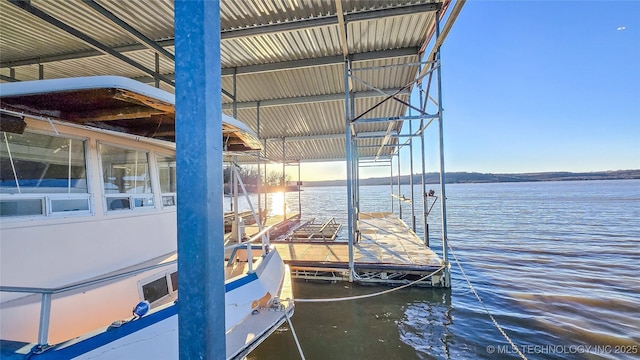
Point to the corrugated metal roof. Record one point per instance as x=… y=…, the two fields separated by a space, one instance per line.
x=288 y=54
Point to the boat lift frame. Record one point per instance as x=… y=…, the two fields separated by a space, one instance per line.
x=423 y=85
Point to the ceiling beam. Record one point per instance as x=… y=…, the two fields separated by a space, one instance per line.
x=305 y=63
x=321 y=61
x=242 y=32
x=312 y=99
x=137 y=35
x=80 y=54
x=457 y=8
x=26 y=6
x=249 y=69
x=264 y=29
x=8 y=78
x=342 y=29
x=359 y=136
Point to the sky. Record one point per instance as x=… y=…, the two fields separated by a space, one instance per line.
x=534 y=86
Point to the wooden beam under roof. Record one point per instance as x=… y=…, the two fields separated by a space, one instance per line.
x=132 y=112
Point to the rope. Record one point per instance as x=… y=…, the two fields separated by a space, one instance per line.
x=295 y=337
x=293 y=331
x=370 y=295
x=495 y=322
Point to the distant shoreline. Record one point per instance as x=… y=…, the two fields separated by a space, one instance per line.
x=475 y=177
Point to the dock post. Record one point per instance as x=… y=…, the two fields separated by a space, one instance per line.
x=266 y=203
x=355 y=165
x=259 y=184
x=443 y=195
x=350 y=221
x=284 y=188
x=236 y=220
x=399 y=190
x=413 y=207
x=299 y=191
x=201 y=308
x=425 y=223
x=391 y=180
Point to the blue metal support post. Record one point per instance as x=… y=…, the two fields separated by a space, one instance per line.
x=199 y=166
x=443 y=195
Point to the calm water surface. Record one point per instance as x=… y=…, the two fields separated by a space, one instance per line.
x=556 y=263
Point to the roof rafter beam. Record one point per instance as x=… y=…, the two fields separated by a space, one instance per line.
x=457 y=8
x=306 y=23
x=311 y=99
x=243 y=32
x=305 y=63
x=8 y=78
x=322 y=61
x=359 y=136
x=342 y=28
x=80 y=54
x=242 y=70
x=137 y=35
x=26 y=6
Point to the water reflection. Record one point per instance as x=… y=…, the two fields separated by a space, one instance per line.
x=276 y=204
x=426 y=324
x=407 y=324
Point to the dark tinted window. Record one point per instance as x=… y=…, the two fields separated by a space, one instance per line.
x=174 y=281
x=155 y=290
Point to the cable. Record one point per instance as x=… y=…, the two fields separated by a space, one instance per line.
x=295 y=337
x=495 y=322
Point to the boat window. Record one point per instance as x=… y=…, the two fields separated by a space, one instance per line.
x=159 y=288
x=125 y=178
x=155 y=290
x=43 y=174
x=21 y=207
x=174 y=281
x=167 y=175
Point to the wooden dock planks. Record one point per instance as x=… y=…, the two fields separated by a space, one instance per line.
x=386 y=239
x=387 y=248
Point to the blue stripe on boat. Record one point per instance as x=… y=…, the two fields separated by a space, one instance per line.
x=73 y=348
x=242 y=281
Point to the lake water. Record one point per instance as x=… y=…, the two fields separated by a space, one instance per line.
x=556 y=263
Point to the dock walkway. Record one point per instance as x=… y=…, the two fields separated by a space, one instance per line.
x=387 y=252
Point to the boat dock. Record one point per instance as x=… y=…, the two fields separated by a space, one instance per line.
x=312 y=231
x=386 y=252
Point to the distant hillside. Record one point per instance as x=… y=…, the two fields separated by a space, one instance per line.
x=474 y=177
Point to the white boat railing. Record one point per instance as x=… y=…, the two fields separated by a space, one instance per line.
x=45 y=302
x=265 y=239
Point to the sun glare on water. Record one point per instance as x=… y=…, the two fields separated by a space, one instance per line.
x=276 y=204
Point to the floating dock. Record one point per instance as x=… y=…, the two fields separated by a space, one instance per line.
x=280 y=226
x=386 y=252
x=312 y=231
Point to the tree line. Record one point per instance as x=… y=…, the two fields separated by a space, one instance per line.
x=249 y=176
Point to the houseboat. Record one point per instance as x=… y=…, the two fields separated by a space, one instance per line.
x=88 y=226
